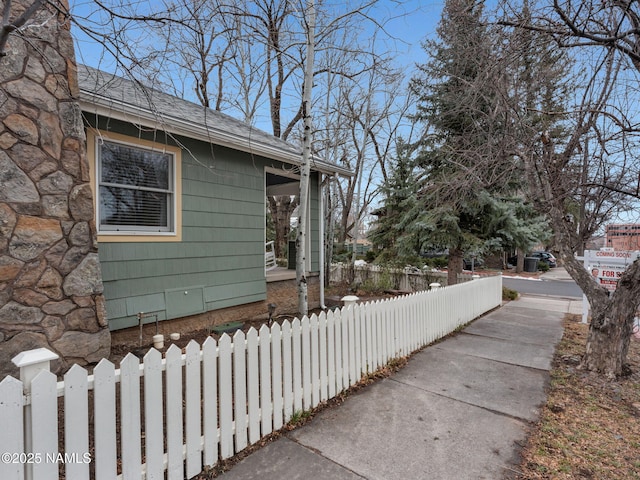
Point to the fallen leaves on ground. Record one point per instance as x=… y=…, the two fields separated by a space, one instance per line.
x=590 y=427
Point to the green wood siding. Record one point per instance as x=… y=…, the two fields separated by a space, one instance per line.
x=220 y=260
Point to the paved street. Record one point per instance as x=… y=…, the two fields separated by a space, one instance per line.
x=555 y=282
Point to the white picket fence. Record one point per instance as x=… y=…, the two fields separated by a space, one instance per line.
x=175 y=415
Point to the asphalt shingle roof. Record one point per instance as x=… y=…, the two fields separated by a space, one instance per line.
x=117 y=97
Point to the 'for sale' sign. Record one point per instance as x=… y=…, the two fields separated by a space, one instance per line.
x=607 y=275
x=606 y=266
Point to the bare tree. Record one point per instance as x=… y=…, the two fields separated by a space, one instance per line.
x=203 y=49
x=281 y=207
x=612 y=315
x=585 y=178
x=366 y=119
x=301 y=240
x=613 y=25
x=244 y=71
x=256 y=50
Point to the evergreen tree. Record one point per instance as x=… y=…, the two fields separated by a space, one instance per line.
x=400 y=195
x=464 y=170
x=470 y=185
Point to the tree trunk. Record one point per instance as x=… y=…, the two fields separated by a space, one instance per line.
x=281 y=209
x=454 y=266
x=608 y=340
x=612 y=316
x=329 y=234
x=301 y=279
x=520 y=261
x=611 y=324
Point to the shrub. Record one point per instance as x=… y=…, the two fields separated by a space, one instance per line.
x=386 y=281
x=437 y=262
x=370 y=256
x=368 y=287
x=508 y=294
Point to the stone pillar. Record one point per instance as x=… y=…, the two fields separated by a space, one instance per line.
x=50 y=279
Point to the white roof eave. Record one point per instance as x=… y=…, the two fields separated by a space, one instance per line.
x=108 y=107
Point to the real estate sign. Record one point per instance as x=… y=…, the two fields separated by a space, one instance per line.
x=607 y=266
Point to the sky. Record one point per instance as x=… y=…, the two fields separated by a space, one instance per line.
x=414 y=21
x=407 y=21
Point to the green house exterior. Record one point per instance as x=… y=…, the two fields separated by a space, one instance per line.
x=214 y=257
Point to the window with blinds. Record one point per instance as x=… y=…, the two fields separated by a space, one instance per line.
x=135 y=189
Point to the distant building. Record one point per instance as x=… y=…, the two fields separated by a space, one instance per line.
x=624 y=236
x=363 y=245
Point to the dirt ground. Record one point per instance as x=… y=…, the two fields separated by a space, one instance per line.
x=590 y=427
x=128 y=340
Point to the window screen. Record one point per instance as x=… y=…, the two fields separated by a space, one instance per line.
x=135 y=189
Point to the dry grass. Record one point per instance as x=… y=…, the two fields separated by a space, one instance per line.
x=590 y=427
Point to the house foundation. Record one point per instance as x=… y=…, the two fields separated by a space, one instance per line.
x=283 y=293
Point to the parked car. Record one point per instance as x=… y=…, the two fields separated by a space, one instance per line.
x=543 y=257
x=472 y=263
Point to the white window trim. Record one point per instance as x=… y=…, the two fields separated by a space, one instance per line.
x=95 y=138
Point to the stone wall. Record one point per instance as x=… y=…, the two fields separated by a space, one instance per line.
x=50 y=279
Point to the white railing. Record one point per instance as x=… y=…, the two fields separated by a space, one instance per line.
x=190 y=409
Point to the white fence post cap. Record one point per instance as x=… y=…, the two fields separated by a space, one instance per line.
x=475 y=276
x=31 y=363
x=31 y=357
x=434 y=285
x=349 y=300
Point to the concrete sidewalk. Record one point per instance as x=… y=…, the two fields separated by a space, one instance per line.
x=459 y=410
x=558 y=274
